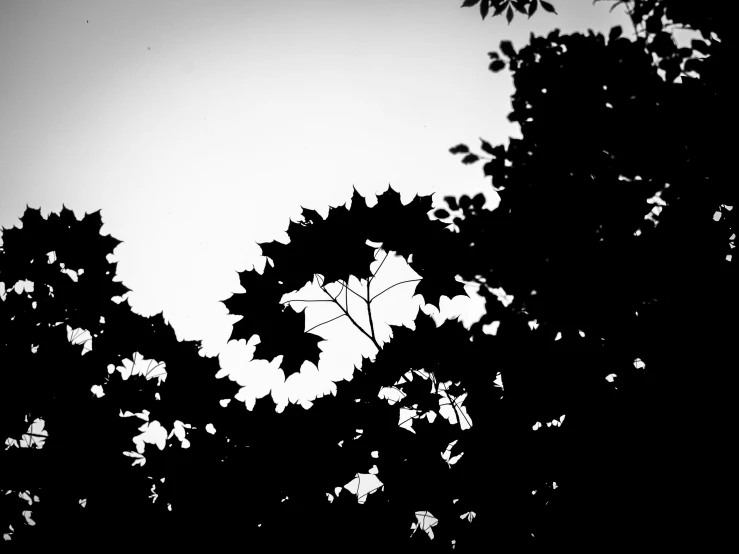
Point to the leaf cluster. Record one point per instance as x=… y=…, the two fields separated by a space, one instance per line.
x=509 y=7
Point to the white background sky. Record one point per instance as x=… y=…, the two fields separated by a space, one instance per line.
x=200 y=128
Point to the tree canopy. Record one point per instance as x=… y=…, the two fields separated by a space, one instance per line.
x=586 y=409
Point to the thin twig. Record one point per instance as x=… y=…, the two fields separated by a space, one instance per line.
x=324 y=323
x=350 y=317
x=395 y=285
x=453 y=402
x=344 y=284
x=300 y=300
x=368 y=302
x=378 y=269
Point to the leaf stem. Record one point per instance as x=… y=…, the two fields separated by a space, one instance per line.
x=395 y=285
x=378 y=269
x=453 y=402
x=36 y=435
x=369 y=309
x=324 y=323
x=300 y=300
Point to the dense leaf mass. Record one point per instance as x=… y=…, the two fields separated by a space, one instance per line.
x=614 y=235
x=61 y=336
x=332 y=250
x=588 y=409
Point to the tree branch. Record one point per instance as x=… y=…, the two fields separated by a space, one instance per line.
x=395 y=285
x=350 y=317
x=368 y=301
x=453 y=402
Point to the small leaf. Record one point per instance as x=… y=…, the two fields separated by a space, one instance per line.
x=654 y=24
x=509 y=15
x=459 y=149
x=700 y=46
x=548 y=7
x=478 y=201
x=470 y=159
x=693 y=64
x=484 y=7
x=496 y=66
x=615 y=33
x=672 y=70
x=469 y=3
x=506 y=46
x=451 y=202
x=663 y=44
x=441 y=213
x=533 y=6
x=487 y=147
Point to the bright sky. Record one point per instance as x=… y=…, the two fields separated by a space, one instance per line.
x=200 y=128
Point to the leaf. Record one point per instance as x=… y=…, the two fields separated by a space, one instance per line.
x=478 y=201
x=700 y=46
x=533 y=7
x=441 y=213
x=311 y=216
x=497 y=65
x=459 y=149
x=469 y=3
x=663 y=44
x=693 y=64
x=432 y=288
x=520 y=6
x=509 y=15
x=451 y=202
x=470 y=159
x=295 y=345
x=654 y=24
x=500 y=6
x=484 y=7
x=548 y=7
x=487 y=147
x=615 y=33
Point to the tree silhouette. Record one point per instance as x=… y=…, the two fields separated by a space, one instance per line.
x=66 y=331
x=587 y=409
x=614 y=206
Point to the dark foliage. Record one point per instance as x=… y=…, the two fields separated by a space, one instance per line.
x=58 y=341
x=615 y=228
x=599 y=408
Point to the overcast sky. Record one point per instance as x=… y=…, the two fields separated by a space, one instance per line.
x=200 y=128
